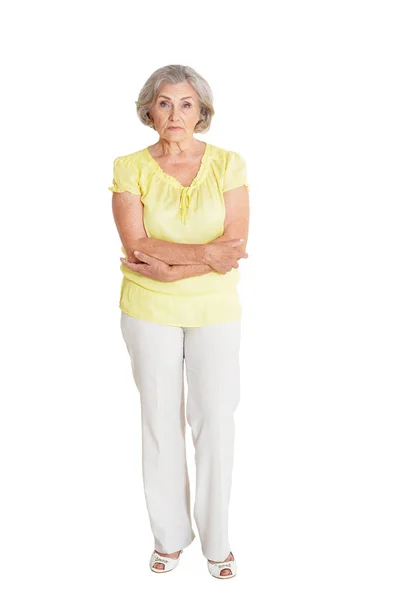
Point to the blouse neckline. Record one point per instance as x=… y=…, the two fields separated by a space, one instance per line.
x=173 y=180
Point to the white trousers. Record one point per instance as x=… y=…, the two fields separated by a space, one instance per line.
x=211 y=354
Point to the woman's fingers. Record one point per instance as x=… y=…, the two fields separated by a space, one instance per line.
x=138 y=267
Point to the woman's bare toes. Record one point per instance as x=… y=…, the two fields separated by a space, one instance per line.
x=224 y=572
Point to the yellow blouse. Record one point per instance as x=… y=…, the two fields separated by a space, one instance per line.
x=189 y=215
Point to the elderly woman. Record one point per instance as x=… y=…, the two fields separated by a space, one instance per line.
x=181 y=208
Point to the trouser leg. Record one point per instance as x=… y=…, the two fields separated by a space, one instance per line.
x=156 y=353
x=213 y=378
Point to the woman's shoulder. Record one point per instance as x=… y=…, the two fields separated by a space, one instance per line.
x=130 y=160
x=224 y=154
x=227 y=159
x=230 y=166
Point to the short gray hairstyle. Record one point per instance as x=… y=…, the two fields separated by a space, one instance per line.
x=176 y=74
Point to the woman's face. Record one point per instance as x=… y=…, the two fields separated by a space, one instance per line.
x=176 y=105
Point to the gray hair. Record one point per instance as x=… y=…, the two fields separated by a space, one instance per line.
x=176 y=74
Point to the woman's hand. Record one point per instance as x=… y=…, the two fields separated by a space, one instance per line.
x=223 y=256
x=150 y=267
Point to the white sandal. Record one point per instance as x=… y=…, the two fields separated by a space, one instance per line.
x=216 y=568
x=170 y=563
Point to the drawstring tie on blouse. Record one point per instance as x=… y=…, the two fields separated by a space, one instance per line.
x=184 y=203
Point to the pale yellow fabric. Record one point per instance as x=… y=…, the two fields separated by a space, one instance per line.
x=191 y=215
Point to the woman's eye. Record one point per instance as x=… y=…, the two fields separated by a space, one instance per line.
x=164 y=102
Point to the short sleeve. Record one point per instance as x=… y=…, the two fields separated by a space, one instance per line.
x=236 y=172
x=125 y=176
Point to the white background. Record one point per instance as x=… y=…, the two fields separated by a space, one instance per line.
x=307 y=92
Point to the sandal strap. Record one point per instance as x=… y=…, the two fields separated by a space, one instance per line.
x=168 y=561
x=216 y=568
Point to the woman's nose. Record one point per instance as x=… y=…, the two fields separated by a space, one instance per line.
x=174 y=113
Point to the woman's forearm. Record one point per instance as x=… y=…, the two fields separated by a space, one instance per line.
x=185 y=271
x=170 y=252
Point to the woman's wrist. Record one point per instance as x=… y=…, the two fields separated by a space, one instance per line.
x=184 y=271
